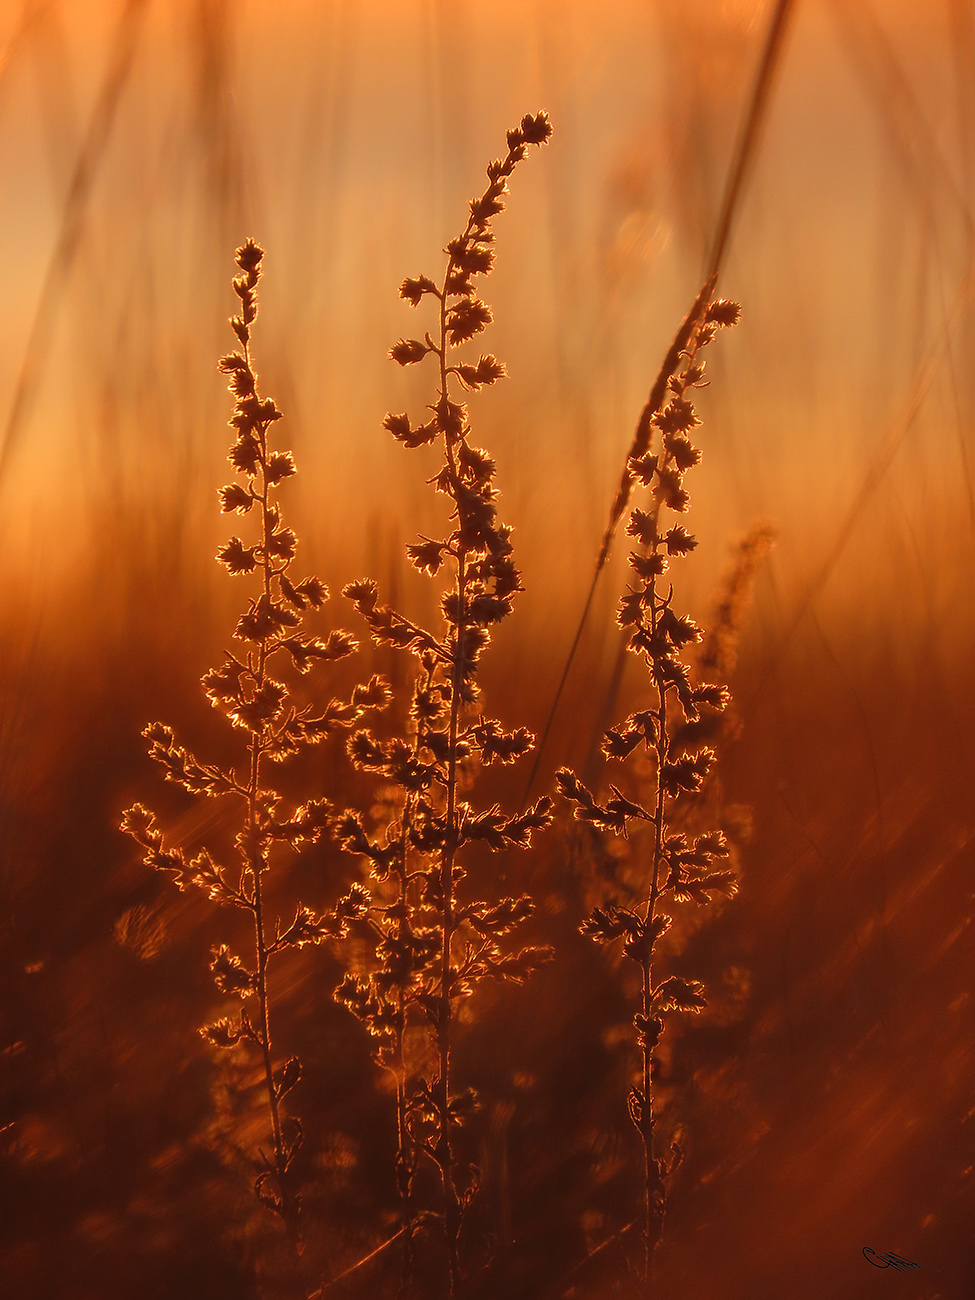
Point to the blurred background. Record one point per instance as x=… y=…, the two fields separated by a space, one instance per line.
x=827 y=1093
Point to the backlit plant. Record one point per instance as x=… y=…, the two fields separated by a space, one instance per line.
x=437 y=933
x=250 y=689
x=673 y=865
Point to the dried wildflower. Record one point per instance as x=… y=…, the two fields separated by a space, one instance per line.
x=435 y=941
x=671 y=733
x=720 y=648
x=274 y=727
x=669 y=418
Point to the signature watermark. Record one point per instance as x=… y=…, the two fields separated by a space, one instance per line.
x=890 y=1260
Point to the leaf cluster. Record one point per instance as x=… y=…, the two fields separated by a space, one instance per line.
x=478 y=555
x=250 y=688
x=434 y=938
x=669 y=734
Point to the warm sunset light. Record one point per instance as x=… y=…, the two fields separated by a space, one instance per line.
x=487 y=805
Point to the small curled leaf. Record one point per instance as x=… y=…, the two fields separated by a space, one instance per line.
x=234 y=497
x=468 y=318
x=287 y=1076
x=679 y=541
x=237 y=557
x=426 y=556
x=223 y=1033
x=408 y=351
x=280 y=466
x=282 y=544
x=413 y=290
x=683 y=451
x=723 y=312
x=375 y=694
x=363 y=594
x=229 y=973
x=536 y=128
x=676 y=994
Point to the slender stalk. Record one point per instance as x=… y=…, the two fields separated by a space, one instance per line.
x=671 y=364
x=257 y=854
x=445 y=1155
x=751 y=129
x=655 y=1205
x=640 y=443
x=744 y=155
x=405 y=1142
x=276 y=727
x=405 y=1160
x=673 y=728
x=426 y=928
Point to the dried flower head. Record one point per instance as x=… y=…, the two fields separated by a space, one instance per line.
x=250 y=688
x=437 y=935
x=670 y=735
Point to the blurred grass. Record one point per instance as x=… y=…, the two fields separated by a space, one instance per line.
x=347 y=137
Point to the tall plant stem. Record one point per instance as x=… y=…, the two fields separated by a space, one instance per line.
x=641 y=441
x=445 y=1157
x=744 y=154
x=436 y=942
x=444 y=1150
x=653 y=1186
x=405 y=1152
x=751 y=129
x=289 y=1207
x=619 y=664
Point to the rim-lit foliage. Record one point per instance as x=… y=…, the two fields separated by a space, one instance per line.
x=250 y=690
x=672 y=731
x=438 y=933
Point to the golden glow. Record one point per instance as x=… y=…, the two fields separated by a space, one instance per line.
x=827 y=1095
